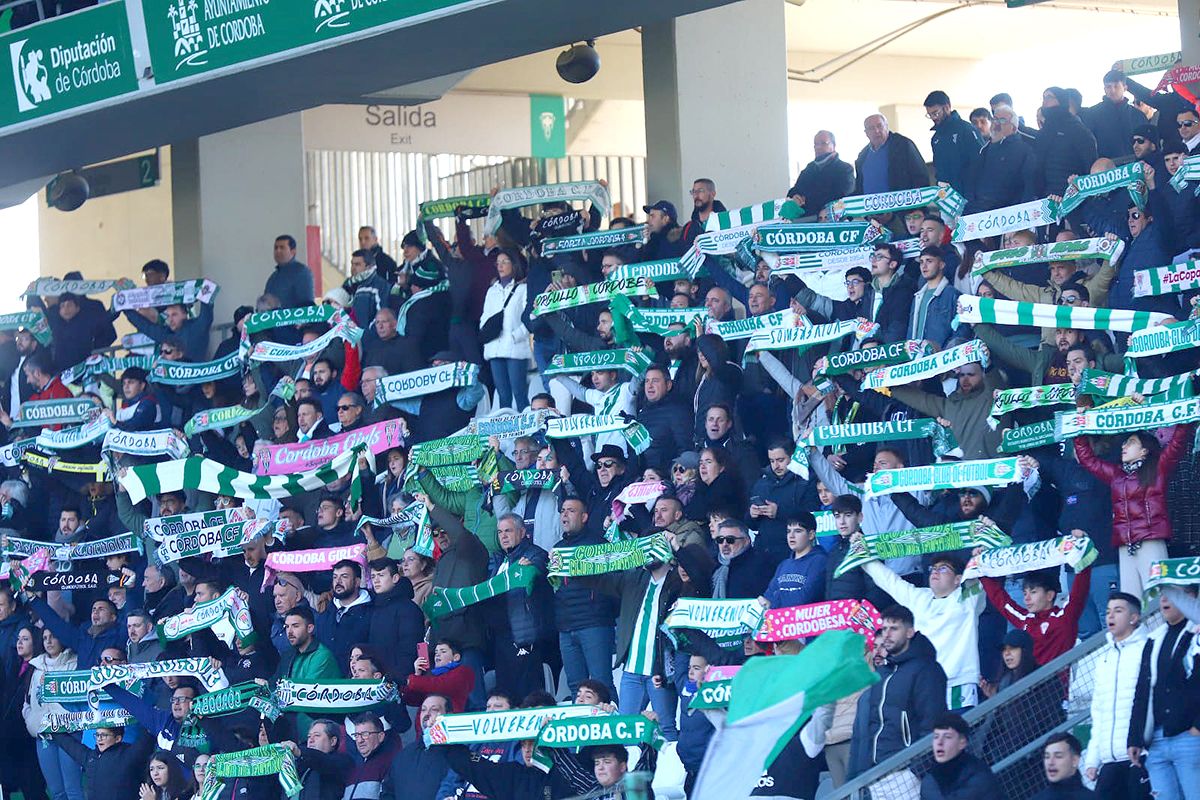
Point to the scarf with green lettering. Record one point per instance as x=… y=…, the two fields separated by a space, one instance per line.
x=80 y=551
x=1078 y=554
x=869 y=358
x=70 y=438
x=73 y=721
x=1171 y=572
x=841 y=258
x=728 y=622
x=949 y=475
x=221 y=540
x=1107 y=421
x=599 y=559
x=234 y=699
x=126 y=675
x=103 y=365
x=1143 y=64
x=630 y=730
x=183 y=373
x=522 y=196
x=657 y=271
x=508 y=426
x=862 y=432
x=577 y=425
x=342 y=327
x=451 y=450
x=11 y=453
x=1028 y=437
x=183 y=293
x=229 y=611
x=163 y=442
x=999 y=221
x=550 y=301
x=1101 y=248
x=595 y=240
x=1132 y=176
x=735 y=329
x=966 y=535
x=1007 y=400
x=803 y=338
x=1045 y=315
x=32 y=321
x=522 y=480
x=739 y=218
x=443 y=601
x=343 y=696
x=1166 y=280
x=1170 y=338
x=1110 y=384
x=930 y=366
x=652 y=320
x=948 y=201
x=635 y=362
x=34 y=413
x=269 y=759
x=402 y=314
x=810 y=236
x=216 y=419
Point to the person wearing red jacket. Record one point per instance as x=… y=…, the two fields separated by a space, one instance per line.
x=449 y=677
x=1141 y=523
x=40 y=376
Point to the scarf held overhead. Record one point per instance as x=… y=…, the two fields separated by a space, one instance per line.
x=948 y=475
x=966 y=535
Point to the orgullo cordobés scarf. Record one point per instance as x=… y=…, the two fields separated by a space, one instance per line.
x=342 y=328
x=594 y=240
x=972 y=352
x=269 y=759
x=423 y=382
x=948 y=201
x=599 y=559
x=220 y=541
x=320 y=559
x=728 y=622
x=805 y=337
x=1044 y=315
x=32 y=321
x=1166 y=280
x=163 y=442
x=1169 y=338
x=280 y=459
x=1101 y=248
x=1007 y=400
x=949 y=475
x=870 y=358
x=54 y=412
x=1021 y=217
x=1110 y=384
x=53 y=287
x=800 y=237
x=1171 y=572
x=996 y=562
x=734 y=329
x=522 y=196
x=1028 y=437
x=164 y=294
x=922 y=541
x=602 y=292
x=861 y=432
x=501 y=726
x=443 y=601
x=804 y=622
x=228 y=616
x=1106 y=421
x=334 y=695
x=158 y=528
x=1081 y=187
x=577 y=425
x=182 y=373
x=635 y=362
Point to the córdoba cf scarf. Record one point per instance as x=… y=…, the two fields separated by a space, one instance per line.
x=221 y=540
x=964 y=535
x=1021 y=217
x=1007 y=400
x=319 y=559
x=32 y=321
x=1101 y=248
x=501 y=726
x=948 y=201
x=1044 y=315
x=443 y=601
x=1169 y=338
x=522 y=196
x=421 y=382
x=1012 y=560
x=182 y=373
x=1106 y=421
x=948 y=475
x=228 y=616
x=1132 y=176
x=1171 y=572
x=800 y=236
x=861 y=432
x=630 y=730
x=930 y=366
x=870 y=358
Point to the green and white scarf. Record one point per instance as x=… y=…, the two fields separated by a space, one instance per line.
x=595 y=240
x=32 y=321
x=421 y=382
x=342 y=328
x=269 y=759
x=53 y=287
x=997 y=562
x=448 y=206
x=1021 y=217
x=164 y=294
x=1171 y=572
x=712 y=696
x=599 y=559
x=803 y=338
x=98 y=548
x=1027 y=437
x=303 y=315
x=219 y=540
x=632 y=730
x=577 y=425
x=522 y=196
x=802 y=236
x=1170 y=338
x=104 y=365
x=950 y=475
x=1107 y=421
x=182 y=373
x=70 y=438
x=157 y=528
x=870 y=358
x=217 y=419
x=1008 y=400
x=1110 y=384
x=657 y=320
x=841 y=258
x=522 y=480
x=10 y=454
x=1045 y=315
x=862 y=432
x=1101 y=248
x=965 y=535
x=334 y=695
x=34 y=413
x=1081 y=187
x=1143 y=64
x=443 y=601
x=972 y=352
x=228 y=611
x=1166 y=280
x=402 y=314
x=451 y=450
x=602 y=292
x=735 y=329
x=54 y=721
x=163 y=442
x=508 y=426
x=1188 y=172
x=71 y=686
x=236 y=698
x=657 y=271
x=501 y=726
x=126 y=675
x=739 y=218
x=948 y=201
x=635 y=362
x=728 y=622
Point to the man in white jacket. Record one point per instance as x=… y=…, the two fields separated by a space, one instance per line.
x=948 y=614
x=1107 y=758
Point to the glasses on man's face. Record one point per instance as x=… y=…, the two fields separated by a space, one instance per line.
x=111 y=659
x=727 y=539
x=179 y=701
x=606 y=463
x=1139 y=140
x=362 y=736
x=1187 y=123
x=1069 y=299
x=854 y=282
x=939 y=569
x=524 y=451
x=1134 y=215
x=345 y=408
x=697 y=192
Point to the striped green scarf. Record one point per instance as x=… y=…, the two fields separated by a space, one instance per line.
x=863 y=432
x=965 y=535
x=1007 y=400
x=598 y=559
x=182 y=373
x=1169 y=338
x=549 y=302
x=1107 y=421
x=930 y=366
x=1044 y=315
x=1101 y=248
x=595 y=240
x=948 y=201
x=871 y=357
x=443 y=601
x=1166 y=280
x=800 y=236
x=451 y=450
x=950 y=475
x=402 y=314
x=229 y=610
x=1110 y=384
x=1081 y=187
x=103 y=365
x=741 y=217
x=635 y=362
x=270 y=759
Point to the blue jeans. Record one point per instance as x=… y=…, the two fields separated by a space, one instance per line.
x=636 y=689
x=512 y=382
x=587 y=653
x=64 y=776
x=1174 y=766
x=474 y=658
x=1104 y=578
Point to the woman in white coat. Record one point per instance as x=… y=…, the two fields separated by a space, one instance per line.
x=64 y=777
x=509 y=352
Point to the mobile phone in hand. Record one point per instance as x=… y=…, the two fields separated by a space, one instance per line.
x=423 y=650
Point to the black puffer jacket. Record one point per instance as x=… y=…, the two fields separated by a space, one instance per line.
x=322 y=775
x=1064 y=148
x=669 y=423
x=1004 y=174
x=117 y=772
x=577 y=606
x=964 y=777
x=397 y=624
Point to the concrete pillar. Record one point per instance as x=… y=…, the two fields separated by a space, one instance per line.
x=715 y=107
x=1189 y=30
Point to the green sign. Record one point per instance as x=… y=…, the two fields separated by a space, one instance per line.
x=66 y=63
x=547 y=126
x=191 y=37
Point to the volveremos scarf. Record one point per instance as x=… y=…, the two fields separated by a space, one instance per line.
x=1166 y=280
x=949 y=475
x=996 y=222
x=342 y=328
x=1027 y=437
x=501 y=726
x=182 y=373
x=1044 y=315
x=54 y=412
x=803 y=622
x=443 y=601
x=948 y=201
x=1132 y=176
x=726 y=621
x=734 y=329
x=103 y=365
x=801 y=236
x=522 y=196
x=922 y=541
x=32 y=321
x=163 y=442
x=214 y=477
x=870 y=358
x=930 y=366
x=280 y=459
x=1106 y=421
x=157 y=528
x=803 y=338
x=164 y=294
x=52 y=463
x=421 y=382
x=53 y=287
x=1101 y=248
x=73 y=721
x=599 y=559
x=125 y=675
x=1171 y=572
x=594 y=240
x=1110 y=384
x=657 y=271
x=631 y=730
x=862 y=432
x=576 y=425
x=508 y=426
x=228 y=613
x=602 y=292
x=635 y=362
x=269 y=759
x=1006 y=400
x=1077 y=554
x=100 y=548
x=216 y=419
x=334 y=695
x=1169 y=338
x=70 y=438
x=219 y=540
x=320 y=559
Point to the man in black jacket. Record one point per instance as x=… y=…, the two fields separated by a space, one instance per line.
x=397 y=624
x=1005 y=173
x=115 y=768
x=665 y=417
x=1064 y=147
x=322 y=768
x=889 y=162
x=1113 y=120
x=417 y=772
x=955 y=773
x=1060 y=760
x=824 y=179
x=742 y=571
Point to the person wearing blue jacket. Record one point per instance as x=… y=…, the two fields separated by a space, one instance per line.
x=694 y=728
x=88 y=640
x=799 y=580
x=192 y=333
x=935 y=303
x=956 y=143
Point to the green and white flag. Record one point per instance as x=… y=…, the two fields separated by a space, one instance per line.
x=165 y=294
x=1005 y=401
x=1171 y=572
x=972 y=352
x=1100 y=248
x=1169 y=338
x=70 y=438
x=421 y=382
x=595 y=240
x=269 y=759
x=34 y=413
x=1166 y=280
x=443 y=601
x=577 y=425
x=501 y=726
x=182 y=373
x=997 y=562
x=728 y=622
x=741 y=217
x=1110 y=384
x=1132 y=176
x=163 y=442
x=966 y=535
x=219 y=540
x=803 y=338
x=53 y=287
x=342 y=328
x=1045 y=315
x=630 y=730
x=869 y=358
x=999 y=221
x=657 y=271
x=522 y=196
x=950 y=475
x=334 y=695
x=801 y=236
x=602 y=292
x=32 y=321
x=770 y=701
x=599 y=559
x=228 y=616
x=1127 y=419
x=1027 y=437
x=863 y=432
x=735 y=329
x=635 y=362
x=948 y=201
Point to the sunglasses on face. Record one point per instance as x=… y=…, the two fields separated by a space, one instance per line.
x=1135 y=215
x=346 y=408
x=607 y=463
x=1139 y=140
x=1187 y=123
x=678 y=468
x=1069 y=301
x=727 y=539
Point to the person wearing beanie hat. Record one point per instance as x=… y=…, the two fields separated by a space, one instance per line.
x=421 y=300
x=139 y=410
x=1064 y=145
x=1144 y=141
